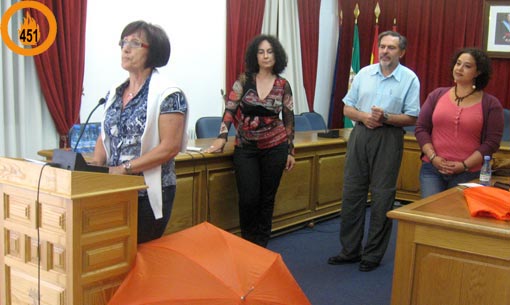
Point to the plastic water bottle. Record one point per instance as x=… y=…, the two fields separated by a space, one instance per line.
x=485 y=172
x=89 y=138
x=75 y=133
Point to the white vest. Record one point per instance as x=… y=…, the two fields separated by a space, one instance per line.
x=159 y=88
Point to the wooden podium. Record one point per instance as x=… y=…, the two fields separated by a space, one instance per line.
x=85 y=224
x=446 y=256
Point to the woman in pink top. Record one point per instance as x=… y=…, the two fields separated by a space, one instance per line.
x=459 y=125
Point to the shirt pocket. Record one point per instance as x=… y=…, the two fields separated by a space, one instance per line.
x=392 y=104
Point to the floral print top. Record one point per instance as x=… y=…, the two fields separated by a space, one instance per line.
x=258 y=121
x=125 y=127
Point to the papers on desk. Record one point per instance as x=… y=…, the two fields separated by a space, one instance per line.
x=470 y=184
x=194 y=148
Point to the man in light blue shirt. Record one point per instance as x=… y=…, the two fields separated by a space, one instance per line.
x=383 y=98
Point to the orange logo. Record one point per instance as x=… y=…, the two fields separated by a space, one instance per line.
x=28 y=32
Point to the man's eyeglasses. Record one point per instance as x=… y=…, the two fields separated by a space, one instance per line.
x=133 y=44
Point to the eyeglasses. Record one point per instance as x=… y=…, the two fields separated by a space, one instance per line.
x=133 y=44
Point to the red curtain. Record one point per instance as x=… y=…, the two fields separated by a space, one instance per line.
x=309 y=13
x=244 y=22
x=434 y=28
x=61 y=67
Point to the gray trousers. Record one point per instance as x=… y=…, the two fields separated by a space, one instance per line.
x=372 y=164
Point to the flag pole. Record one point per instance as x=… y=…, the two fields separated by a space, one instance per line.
x=333 y=87
x=374 y=56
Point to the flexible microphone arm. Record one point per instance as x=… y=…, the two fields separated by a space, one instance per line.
x=101 y=102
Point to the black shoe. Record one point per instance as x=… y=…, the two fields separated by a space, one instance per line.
x=367 y=266
x=340 y=260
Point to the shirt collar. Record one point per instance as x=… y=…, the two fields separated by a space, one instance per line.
x=397 y=73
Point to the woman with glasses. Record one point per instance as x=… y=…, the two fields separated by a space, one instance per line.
x=264 y=142
x=144 y=125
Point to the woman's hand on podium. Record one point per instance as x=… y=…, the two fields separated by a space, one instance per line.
x=117 y=170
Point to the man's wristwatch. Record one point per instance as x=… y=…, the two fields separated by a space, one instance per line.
x=385 y=117
x=127 y=166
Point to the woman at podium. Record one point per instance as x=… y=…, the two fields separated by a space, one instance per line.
x=143 y=125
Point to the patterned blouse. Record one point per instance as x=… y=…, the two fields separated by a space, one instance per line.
x=257 y=120
x=126 y=126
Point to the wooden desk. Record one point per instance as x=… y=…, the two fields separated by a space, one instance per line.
x=445 y=256
x=206 y=187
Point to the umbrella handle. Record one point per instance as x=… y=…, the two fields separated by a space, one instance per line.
x=247 y=293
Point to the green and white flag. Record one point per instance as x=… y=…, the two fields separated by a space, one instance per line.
x=355 y=67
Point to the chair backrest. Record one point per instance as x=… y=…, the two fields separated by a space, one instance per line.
x=316 y=120
x=506 y=128
x=209 y=127
x=301 y=123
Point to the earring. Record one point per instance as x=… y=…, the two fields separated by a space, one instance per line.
x=474 y=86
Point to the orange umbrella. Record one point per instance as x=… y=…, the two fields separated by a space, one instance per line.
x=205 y=265
x=488 y=201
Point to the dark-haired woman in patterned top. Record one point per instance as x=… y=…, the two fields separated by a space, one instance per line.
x=264 y=141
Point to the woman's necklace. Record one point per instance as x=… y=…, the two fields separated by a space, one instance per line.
x=459 y=99
x=131 y=94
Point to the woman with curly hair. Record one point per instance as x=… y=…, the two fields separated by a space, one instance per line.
x=264 y=141
x=459 y=125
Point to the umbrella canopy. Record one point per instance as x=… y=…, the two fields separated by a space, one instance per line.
x=207 y=265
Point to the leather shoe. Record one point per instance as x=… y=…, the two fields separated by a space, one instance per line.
x=367 y=266
x=340 y=260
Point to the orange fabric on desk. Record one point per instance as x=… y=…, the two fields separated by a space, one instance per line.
x=488 y=201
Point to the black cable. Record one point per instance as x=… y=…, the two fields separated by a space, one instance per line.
x=37 y=224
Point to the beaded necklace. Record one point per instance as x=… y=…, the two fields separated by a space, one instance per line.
x=459 y=99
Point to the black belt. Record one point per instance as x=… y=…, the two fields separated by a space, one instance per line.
x=383 y=125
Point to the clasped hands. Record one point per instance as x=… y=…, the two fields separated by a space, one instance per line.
x=447 y=167
x=375 y=118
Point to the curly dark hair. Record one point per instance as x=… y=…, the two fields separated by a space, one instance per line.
x=483 y=65
x=159 y=44
x=251 y=64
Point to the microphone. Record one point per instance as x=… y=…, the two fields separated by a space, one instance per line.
x=329 y=133
x=101 y=102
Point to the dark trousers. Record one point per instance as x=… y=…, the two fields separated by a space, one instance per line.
x=258 y=173
x=372 y=164
x=149 y=227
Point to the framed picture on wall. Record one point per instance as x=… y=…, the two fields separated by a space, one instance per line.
x=496 y=28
